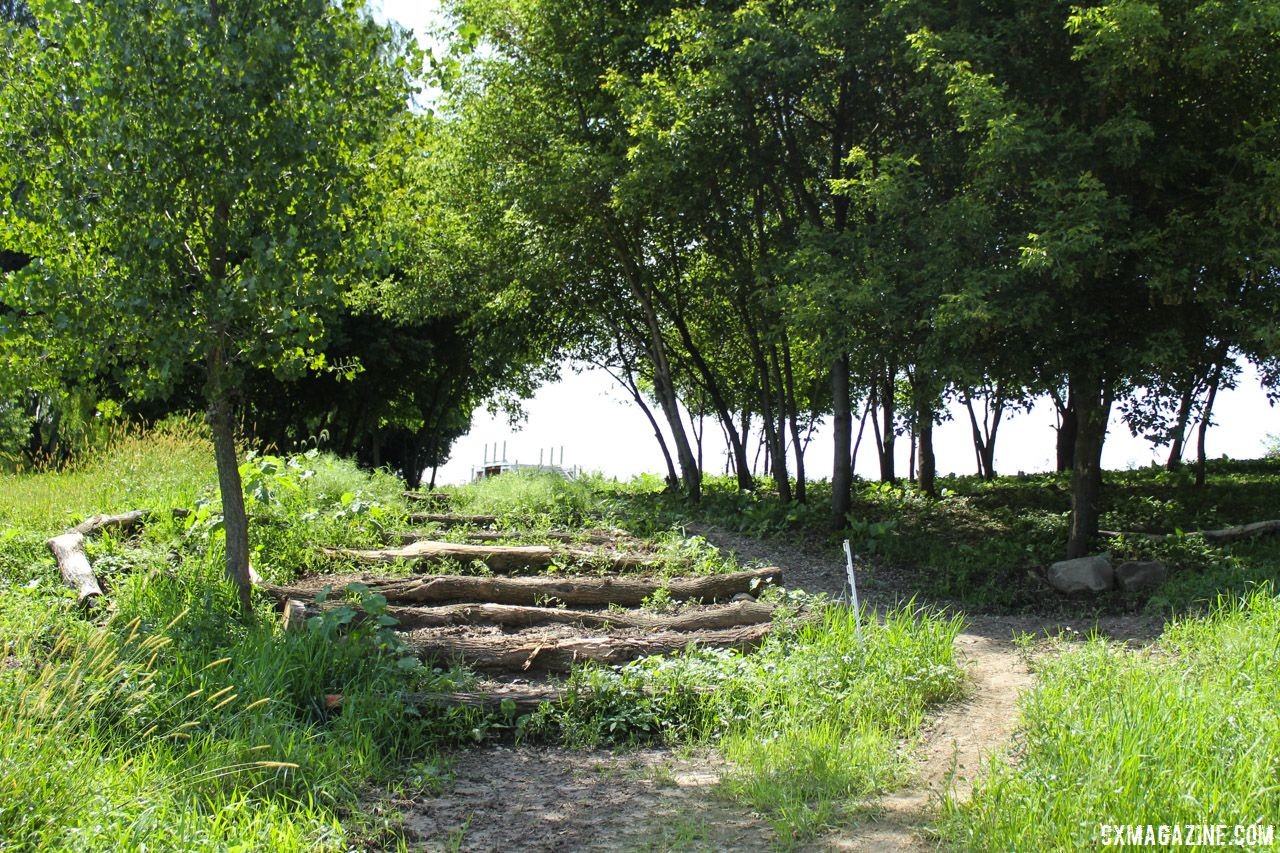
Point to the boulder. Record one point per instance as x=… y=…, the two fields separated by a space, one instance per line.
x=1083 y=575
x=1141 y=576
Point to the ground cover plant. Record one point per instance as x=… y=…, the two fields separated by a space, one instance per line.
x=812 y=721
x=985 y=542
x=1184 y=733
x=163 y=718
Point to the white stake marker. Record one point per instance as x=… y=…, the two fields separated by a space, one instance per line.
x=853 y=591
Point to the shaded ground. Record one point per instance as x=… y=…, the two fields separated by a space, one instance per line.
x=544 y=799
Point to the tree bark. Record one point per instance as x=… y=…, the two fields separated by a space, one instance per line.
x=538 y=591
x=235 y=521
x=68 y=551
x=1093 y=408
x=928 y=467
x=1067 y=430
x=519 y=654
x=1174 y=462
x=627 y=380
x=885 y=436
x=842 y=464
x=793 y=419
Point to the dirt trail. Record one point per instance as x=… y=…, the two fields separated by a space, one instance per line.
x=954 y=747
x=539 y=799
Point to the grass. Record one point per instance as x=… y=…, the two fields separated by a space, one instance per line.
x=530 y=499
x=981 y=542
x=1186 y=733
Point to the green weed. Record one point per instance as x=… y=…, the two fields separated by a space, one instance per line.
x=1186 y=734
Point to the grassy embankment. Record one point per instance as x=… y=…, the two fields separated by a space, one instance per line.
x=1187 y=732
x=164 y=720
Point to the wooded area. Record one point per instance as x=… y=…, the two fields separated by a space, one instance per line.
x=755 y=216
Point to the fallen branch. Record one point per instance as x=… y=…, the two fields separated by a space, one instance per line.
x=68 y=551
x=1224 y=534
x=523 y=700
x=450 y=520
x=499 y=558
x=517 y=654
x=536 y=591
x=124 y=521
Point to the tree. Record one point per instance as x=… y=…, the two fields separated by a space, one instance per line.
x=1127 y=150
x=190 y=175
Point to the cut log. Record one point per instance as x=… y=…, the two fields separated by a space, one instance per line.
x=412 y=536
x=523 y=700
x=517 y=654
x=1224 y=534
x=450 y=520
x=499 y=558
x=295 y=615
x=438 y=498
x=511 y=616
x=124 y=521
x=68 y=551
x=536 y=591
x=732 y=615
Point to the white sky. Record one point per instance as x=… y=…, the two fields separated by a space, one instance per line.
x=601 y=429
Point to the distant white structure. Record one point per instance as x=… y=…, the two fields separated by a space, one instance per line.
x=498 y=464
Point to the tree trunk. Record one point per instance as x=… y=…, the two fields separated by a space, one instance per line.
x=1174 y=462
x=1068 y=428
x=793 y=418
x=984 y=436
x=885 y=436
x=1092 y=407
x=1206 y=419
x=842 y=464
x=628 y=381
x=928 y=467
x=540 y=591
x=235 y=521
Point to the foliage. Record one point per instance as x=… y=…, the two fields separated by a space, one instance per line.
x=1186 y=733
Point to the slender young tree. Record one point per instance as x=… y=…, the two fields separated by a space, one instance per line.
x=191 y=175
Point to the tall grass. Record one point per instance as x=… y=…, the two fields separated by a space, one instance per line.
x=1186 y=734
x=165 y=720
x=169 y=466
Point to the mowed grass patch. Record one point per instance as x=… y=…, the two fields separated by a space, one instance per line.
x=1185 y=733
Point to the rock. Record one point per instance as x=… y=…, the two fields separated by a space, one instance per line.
x=742 y=596
x=1083 y=575
x=1141 y=576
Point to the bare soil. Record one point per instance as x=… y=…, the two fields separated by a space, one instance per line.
x=548 y=799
